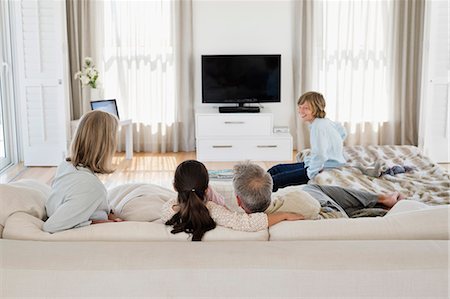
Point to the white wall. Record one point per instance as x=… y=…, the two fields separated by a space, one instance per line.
x=246 y=27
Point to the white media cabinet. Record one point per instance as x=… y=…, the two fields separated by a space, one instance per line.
x=240 y=136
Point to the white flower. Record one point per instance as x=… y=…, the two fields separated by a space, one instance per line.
x=88 y=61
x=77 y=75
x=84 y=80
x=88 y=76
x=91 y=72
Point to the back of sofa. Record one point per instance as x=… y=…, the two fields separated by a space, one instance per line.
x=22 y=226
x=27 y=196
x=430 y=223
x=297 y=269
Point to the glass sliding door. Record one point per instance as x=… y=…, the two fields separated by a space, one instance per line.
x=7 y=127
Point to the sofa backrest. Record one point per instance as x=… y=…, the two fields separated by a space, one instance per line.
x=22 y=226
x=423 y=224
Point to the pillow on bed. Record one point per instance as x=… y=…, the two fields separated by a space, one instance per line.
x=27 y=196
x=139 y=202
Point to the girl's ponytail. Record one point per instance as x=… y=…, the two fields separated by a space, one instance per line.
x=191 y=181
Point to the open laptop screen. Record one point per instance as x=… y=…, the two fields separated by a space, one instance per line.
x=109 y=106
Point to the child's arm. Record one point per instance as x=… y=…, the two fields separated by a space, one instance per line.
x=341 y=130
x=319 y=146
x=213 y=196
x=169 y=209
x=247 y=222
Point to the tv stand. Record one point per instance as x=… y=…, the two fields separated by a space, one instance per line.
x=239 y=109
x=240 y=136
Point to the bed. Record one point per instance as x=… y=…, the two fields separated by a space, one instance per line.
x=428 y=182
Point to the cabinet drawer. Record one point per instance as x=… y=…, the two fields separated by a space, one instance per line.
x=234 y=125
x=257 y=149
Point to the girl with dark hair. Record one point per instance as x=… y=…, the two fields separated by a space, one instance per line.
x=198 y=208
x=191 y=182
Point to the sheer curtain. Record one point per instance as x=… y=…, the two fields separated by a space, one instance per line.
x=143 y=50
x=360 y=57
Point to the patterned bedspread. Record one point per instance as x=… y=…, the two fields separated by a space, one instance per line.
x=428 y=182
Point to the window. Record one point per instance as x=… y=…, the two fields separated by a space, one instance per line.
x=139 y=59
x=352 y=67
x=7 y=144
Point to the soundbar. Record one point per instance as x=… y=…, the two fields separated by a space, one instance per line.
x=226 y=109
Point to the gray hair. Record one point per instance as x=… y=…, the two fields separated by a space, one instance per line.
x=253 y=185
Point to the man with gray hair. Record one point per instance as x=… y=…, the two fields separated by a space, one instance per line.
x=253 y=189
x=252 y=186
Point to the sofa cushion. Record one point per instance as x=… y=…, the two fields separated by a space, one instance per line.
x=429 y=223
x=27 y=196
x=405 y=206
x=22 y=226
x=139 y=202
x=294 y=199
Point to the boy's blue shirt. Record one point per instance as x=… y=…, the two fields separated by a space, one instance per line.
x=326 y=138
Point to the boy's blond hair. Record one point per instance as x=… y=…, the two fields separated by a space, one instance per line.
x=95 y=142
x=316 y=101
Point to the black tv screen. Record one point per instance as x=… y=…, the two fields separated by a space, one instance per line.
x=241 y=78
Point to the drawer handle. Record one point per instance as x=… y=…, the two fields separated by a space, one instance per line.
x=222 y=146
x=234 y=122
x=266 y=146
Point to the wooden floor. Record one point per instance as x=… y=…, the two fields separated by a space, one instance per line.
x=143 y=168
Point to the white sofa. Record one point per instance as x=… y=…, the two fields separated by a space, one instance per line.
x=402 y=254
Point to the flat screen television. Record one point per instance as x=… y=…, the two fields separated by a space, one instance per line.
x=241 y=79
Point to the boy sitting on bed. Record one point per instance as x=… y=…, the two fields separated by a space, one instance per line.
x=253 y=189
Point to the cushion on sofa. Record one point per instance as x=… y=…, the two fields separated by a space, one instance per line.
x=139 y=202
x=405 y=206
x=22 y=226
x=27 y=196
x=425 y=224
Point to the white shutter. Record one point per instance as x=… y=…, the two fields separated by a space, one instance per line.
x=40 y=36
x=436 y=140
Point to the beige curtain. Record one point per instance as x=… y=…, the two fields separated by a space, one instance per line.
x=407 y=68
x=80 y=36
x=303 y=51
x=184 y=132
x=365 y=57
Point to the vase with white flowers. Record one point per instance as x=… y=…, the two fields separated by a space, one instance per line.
x=88 y=76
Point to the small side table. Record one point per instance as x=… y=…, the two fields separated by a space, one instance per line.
x=126 y=124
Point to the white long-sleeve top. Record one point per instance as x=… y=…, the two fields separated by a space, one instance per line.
x=222 y=215
x=77 y=197
x=326 y=138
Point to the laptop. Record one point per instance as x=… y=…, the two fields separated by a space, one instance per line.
x=109 y=106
